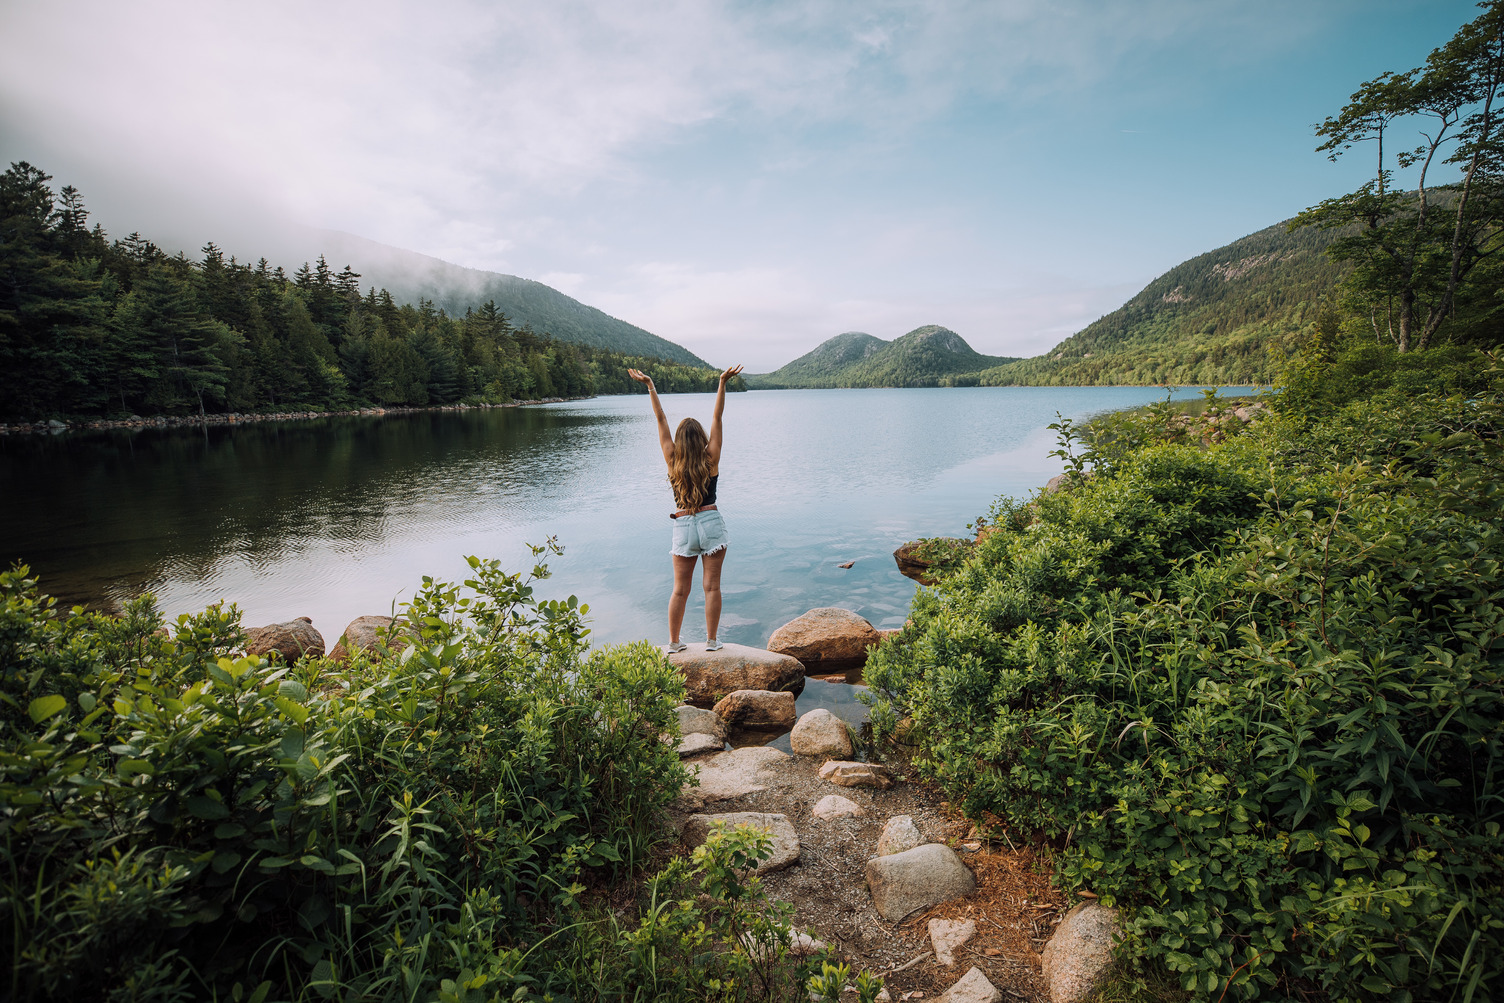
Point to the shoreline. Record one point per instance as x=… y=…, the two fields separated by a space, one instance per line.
x=236 y=418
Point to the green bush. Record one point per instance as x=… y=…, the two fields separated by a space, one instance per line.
x=1253 y=692
x=180 y=823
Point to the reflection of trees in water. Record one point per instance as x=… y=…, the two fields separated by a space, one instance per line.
x=106 y=512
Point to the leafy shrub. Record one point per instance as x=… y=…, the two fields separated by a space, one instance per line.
x=1254 y=692
x=179 y=822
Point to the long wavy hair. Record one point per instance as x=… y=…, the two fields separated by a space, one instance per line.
x=689 y=473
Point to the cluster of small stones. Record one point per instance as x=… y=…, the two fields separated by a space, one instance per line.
x=907 y=873
x=174 y=421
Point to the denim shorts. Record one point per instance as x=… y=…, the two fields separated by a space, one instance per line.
x=701 y=533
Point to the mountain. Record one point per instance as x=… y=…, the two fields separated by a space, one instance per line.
x=1229 y=316
x=410 y=276
x=928 y=356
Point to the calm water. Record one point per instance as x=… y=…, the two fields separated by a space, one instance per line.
x=339 y=517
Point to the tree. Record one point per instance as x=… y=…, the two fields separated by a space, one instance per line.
x=1413 y=251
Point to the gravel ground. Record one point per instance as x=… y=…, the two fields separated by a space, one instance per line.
x=1014 y=906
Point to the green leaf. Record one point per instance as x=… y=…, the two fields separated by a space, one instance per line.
x=207 y=808
x=44 y=707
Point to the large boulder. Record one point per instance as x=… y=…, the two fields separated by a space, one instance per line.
x=828 y=639
x=899 y=834
x=364 y=633
x=820 y=733
x=291 y=640
x=973 y=987
x=694 y=721
x=732 y=774
x=759 y=709
x=1076 y=959
x=710 y=675
x=697 y=829
x=851 y=774
x=916 y=879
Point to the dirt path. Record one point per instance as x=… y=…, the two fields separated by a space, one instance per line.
x=1014 y=906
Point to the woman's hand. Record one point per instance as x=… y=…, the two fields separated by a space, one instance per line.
x=643 y=378
x=730 y=373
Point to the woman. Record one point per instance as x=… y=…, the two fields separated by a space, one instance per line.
x=694 y=466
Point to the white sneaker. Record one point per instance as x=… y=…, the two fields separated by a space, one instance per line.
x=674 y=647
x=713 y=645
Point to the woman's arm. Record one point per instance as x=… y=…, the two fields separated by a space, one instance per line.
x=665 y=437
x=715 y=420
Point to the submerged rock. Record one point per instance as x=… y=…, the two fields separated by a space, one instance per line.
x=921 y=559
x=710 y=675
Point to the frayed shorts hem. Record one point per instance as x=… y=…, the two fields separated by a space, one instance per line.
x=699 y=535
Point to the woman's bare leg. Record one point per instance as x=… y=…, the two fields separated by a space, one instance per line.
x=710 y=577
x=684 y=577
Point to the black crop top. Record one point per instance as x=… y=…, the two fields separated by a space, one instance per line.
x=709 y=498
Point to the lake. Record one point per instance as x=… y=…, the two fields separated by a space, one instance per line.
x=334 y=518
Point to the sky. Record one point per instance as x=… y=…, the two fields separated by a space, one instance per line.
x=744 y=178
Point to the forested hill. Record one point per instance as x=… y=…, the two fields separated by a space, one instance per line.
x=929 y=356
x=1230 y=316
x=410 y=277
x=91 y=326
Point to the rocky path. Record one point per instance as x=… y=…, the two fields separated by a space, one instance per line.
x=874 y=860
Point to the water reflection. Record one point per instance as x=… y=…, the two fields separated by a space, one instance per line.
x=334 y=518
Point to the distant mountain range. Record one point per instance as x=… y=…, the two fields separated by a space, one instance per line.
x=410 y=276
x=928 y=356
x=1229 y=316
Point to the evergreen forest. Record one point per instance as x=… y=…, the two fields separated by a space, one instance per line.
x=94 y=327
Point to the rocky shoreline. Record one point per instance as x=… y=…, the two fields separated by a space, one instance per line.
x=54 y=426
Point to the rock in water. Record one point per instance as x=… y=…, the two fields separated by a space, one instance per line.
x=820 y=733
x=834 y=806
x=710 y=675
x=292 y=640
x=849 y=774
x=757 y=709
x=973 y=987
x=828 y=639
x=917 y=879
x=899 y=834
x=941 y=550
x=693 y=721
x=697 y=829
x=362 y=635
x=946 y=935
x=732 y=774
x=1077 y=957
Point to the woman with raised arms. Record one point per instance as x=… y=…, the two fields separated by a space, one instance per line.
x=694 y=466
